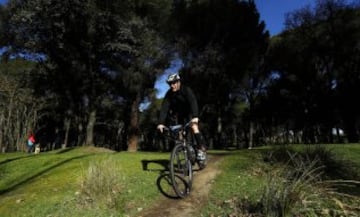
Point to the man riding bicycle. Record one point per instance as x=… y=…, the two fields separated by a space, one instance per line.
x=179 y=105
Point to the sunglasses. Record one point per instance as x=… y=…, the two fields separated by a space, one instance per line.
x=172 y=82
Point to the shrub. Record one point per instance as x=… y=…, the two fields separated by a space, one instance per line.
x=299 y=188
x=334 y=167
x=326 y=158
x=290 y=190
x=101 y=184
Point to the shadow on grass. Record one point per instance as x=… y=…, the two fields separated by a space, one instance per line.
x=33 y=155
x=163 y=182
x=16 y=158
x=64 y=150
x=18 y=184
x=165 y=186
x=164 y=163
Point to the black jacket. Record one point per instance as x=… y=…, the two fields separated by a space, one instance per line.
x=182 y=104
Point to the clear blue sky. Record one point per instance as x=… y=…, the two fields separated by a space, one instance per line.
x=273 y=12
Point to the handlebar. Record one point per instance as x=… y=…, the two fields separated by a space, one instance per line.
x=178 y=127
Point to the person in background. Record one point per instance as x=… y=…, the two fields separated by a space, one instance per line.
x=30 y=142
x=181 y=105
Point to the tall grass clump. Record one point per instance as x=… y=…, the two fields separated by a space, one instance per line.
x=335 y=167
x=293 y=191
x=301 y=187
x=101 y=184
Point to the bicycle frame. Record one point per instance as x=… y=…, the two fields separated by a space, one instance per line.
x=179 y=134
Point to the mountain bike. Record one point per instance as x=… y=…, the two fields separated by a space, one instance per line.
x=183 y=158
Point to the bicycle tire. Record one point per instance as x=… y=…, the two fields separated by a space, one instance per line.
x=181 y=171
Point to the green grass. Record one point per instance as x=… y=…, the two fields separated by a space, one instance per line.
x=248 y=183
x=243 y=174
x=49 y=184
x=95 y=182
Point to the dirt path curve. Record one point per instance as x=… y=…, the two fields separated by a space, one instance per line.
x=189 y=206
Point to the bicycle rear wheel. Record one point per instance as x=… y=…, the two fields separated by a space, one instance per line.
x=181 y=171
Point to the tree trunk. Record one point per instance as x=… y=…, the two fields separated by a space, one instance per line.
x=251 y=135
x=2 y=147
x=90 y=128
x=67 y=123
x=219 y=132
x=134 y=126
x=119 y=137
x=80 y=136
x=235 y=137
x=19 y=141
x=8 y=127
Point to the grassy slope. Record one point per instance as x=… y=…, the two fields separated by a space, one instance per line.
x=241 y=177
x=48 y=184
x=244 y=173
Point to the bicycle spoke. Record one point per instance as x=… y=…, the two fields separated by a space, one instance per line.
x=180 y=171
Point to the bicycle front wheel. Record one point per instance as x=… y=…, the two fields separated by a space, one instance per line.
x=181 y=171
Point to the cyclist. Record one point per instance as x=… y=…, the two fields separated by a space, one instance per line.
x=179 y=105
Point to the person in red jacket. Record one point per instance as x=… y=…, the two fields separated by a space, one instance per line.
x=30 y=142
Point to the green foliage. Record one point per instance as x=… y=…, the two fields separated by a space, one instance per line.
x=316 y=54
x=99 y=60
x=19 y=108
x=93 y=52
x=222 y=43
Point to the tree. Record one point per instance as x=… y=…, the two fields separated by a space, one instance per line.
x=138 y=66
x=313 y=59
x=88 y=46
x=223 y=44
x=20 y=110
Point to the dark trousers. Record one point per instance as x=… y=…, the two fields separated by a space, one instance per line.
x=30 y=148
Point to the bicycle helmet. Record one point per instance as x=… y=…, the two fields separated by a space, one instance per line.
x=172 y=78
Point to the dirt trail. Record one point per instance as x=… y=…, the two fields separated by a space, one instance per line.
x=189 y=206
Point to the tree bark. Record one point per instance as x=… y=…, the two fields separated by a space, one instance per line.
x=67 y=123
x=134 y=126
x=90 y=128
x=251 y=135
